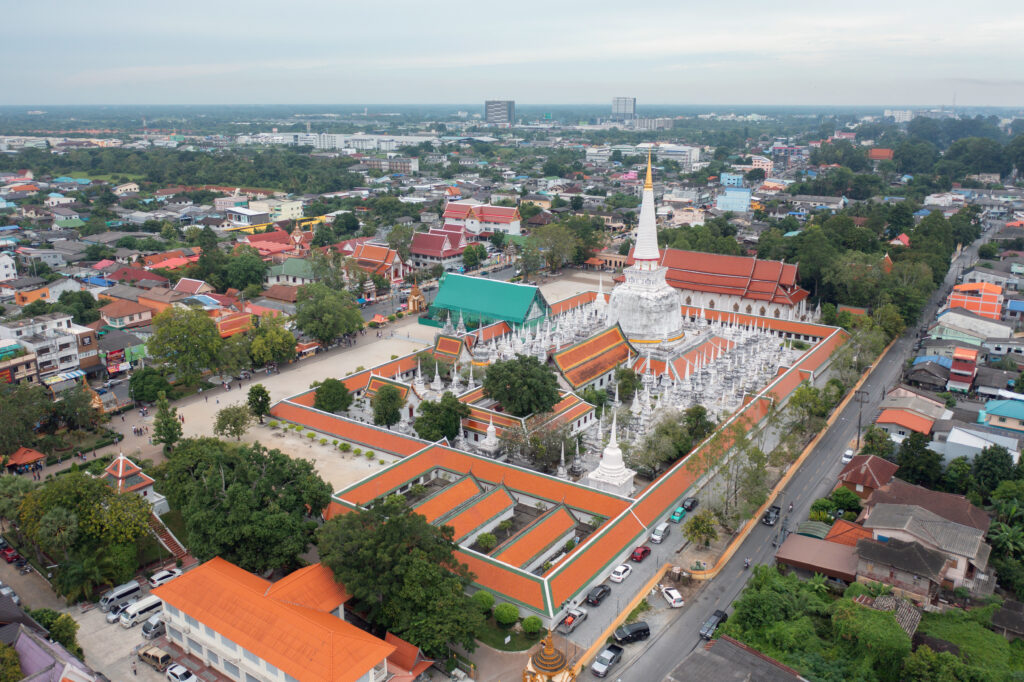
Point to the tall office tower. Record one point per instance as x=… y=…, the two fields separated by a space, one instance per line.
x=623 y=108
x=500 y=112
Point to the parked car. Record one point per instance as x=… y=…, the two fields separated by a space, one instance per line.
x=10 y=555
x=155 y=657
x=572 y=620
x=640 y=553
x=690 y=503
x=847 y=457
x=620 y=573
x=672 y=596
x=114 y=614
x=632 y=632
x=597 y=594
x=6 y=591
x=707 y=631
x=154 y=627
x=179 y=673
x=608 y=657
x=678 y=515
x=161 y=577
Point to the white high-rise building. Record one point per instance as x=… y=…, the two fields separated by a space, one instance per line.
x=623 y=108
x=500 y=112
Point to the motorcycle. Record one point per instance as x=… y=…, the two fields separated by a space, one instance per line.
x=27 y=568
x=746 y=564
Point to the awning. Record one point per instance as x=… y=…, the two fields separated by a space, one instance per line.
x=24 y=456
x=64 y=376
x=379 y=319
x=360 y=301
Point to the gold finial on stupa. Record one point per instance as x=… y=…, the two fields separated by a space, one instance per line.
x=648 y=184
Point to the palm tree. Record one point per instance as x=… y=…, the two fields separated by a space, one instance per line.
x=817 y=584
x=79 y=578
x=1006 y=539
x=12 y=491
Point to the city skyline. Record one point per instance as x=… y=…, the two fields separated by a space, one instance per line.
x=917 y=54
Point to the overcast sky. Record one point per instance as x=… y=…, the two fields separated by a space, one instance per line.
x=913 y=52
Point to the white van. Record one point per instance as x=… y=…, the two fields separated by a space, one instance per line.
x=659 y=534
x=141 y=610
x=120 y=595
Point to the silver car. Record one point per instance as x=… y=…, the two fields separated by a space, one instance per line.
x=114 y=614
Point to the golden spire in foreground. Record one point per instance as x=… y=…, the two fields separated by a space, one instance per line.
x=647 y=183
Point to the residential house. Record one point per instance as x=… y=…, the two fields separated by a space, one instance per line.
x=17 y=365
x=952 y=439
x=88 y=348
x=135 y=275
x=964 y=546
x=8 y=268
x=248 y=628
x=1003 y=414
x=119 y=349
x=294 y=271
x=929 y=375
x=246 y=216
x=900 y=423
x=48 y=293
x=980 y=298
x=50 y=337
x=866 y=473
x=126 y=188
x=965 y=327
x=955 y=508
x=193 y=286
x=124 y=314
x=913 y=571
x=28 y=255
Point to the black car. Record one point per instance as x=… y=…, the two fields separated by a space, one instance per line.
x=632 y=632
x=597 y=594
x=707 y=631
x=690 y=503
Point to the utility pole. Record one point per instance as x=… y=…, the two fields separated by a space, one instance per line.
x=861 y=397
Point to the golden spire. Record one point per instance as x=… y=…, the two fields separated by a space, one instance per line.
x=647 y=183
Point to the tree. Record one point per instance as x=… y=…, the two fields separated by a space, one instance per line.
x=325 y=314
x=487 y=541
x=755 y=175
x=387 y=406
x=402 y=574
x=925 y=665
x=473 y=256
x=58 y=531
x=186 y=340
x=506 y=614
x=576 y=202
x=627 y=381
x=259 y=401
x=332 y=396
x=877 y=442
x=12 y=491
x=76 y=408
x=233 y=421
x=233 y=355
x=245 y=267
x=271 y=342
x=919 y=464
x=701 y=528
x=522 y=385
x=148 y=383
x=484 y=601
x=166 y=425
x=252 y=506
x=530 y=258
x=807 y=409
x=400 y=239
x=10 y=664
x=991 y=466
x=957 y=477
x=874 y=632
x=556 y=242
x=440 y=419
x=324 y=235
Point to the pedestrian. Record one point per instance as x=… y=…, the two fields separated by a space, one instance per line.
x=122 y=417
x=218 y=401
x=207 y=398
x=134 y=671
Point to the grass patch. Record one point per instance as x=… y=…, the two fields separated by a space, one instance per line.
x=641 y=608
x=493 y=635
x=176 y=523
x=979 y=647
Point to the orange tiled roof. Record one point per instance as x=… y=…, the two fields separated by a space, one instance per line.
x=479 y=512
x=905 y=418
x=452 y=497
x=346 y=429
x=376 y=383
x=447 y=347
x=303 y=642
x=537 y=537
x=567 y=304
x=845 y=532
x=314 y=587
x=589 y=359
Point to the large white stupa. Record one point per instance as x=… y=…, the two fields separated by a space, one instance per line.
x=611 y=475
x=645 y=306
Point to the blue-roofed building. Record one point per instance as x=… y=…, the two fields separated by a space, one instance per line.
x=735 y=199
x=1003 y=414
x=937 y=359
x=792 y=233
x=731 y=180
x=9 y=228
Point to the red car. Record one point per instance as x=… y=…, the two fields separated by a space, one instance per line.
x=640 y=553
x=10 y=555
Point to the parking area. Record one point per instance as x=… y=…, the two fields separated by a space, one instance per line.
x=110 y=648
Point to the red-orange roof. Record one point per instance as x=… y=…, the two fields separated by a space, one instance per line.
x=487 y=507
x=536 y=537
x=314 y=587
x=589 y=359
x=346 y=429
x=845 y=532
x=907 y=419
x=24 y=455
x=305 y=643
x=452 y=497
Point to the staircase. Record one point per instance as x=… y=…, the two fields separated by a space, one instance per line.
x=169 y=542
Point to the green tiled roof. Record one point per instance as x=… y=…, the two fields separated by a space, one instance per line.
x=293 y=267
x=487 y=299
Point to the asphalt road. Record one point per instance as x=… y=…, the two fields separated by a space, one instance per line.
x=654 y=659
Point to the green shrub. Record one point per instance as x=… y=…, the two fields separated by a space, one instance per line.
x=373 y=325
x=345 y=447
x=391 y=318
x=357 y=451
x=484 y=601
x=272 y=424
x=323 y=441
x=506 y=614
x=399 y=314
x=487 y=541
x=532 y=626
x=394 y=357
x=418 y=490
x=334 y=442
x=310 y=435
x=369 y=454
